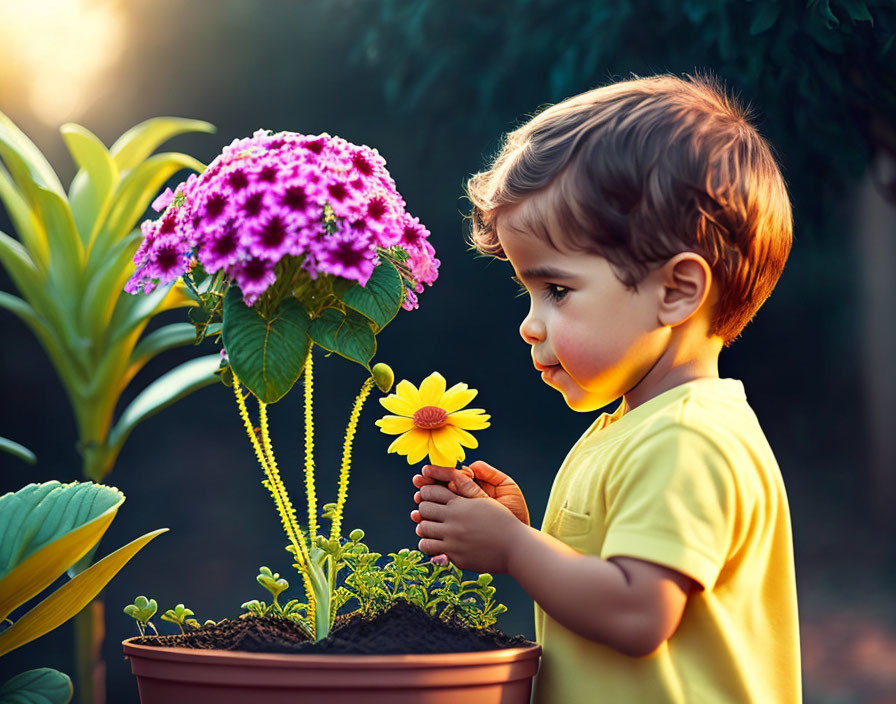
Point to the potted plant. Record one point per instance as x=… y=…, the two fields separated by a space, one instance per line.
x=289 y=242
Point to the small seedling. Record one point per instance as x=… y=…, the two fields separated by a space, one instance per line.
x=180 y=615
x=141 y=611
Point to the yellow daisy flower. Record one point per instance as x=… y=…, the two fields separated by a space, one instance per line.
x=430 y=421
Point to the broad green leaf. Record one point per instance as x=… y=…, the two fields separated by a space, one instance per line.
x=41 y=686
x=172 y=386
x=46 y=527
x=132 y=197
x=71 y=597
x=93 y=185
x=267 y=355
x=140 y=141
x=347 y=334
x=17 y=450
x=20 y=308
x=21 y=269
x=28 y=227
x=380 y=299
x=133 y=311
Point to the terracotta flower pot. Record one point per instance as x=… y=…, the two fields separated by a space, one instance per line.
x=188 y=676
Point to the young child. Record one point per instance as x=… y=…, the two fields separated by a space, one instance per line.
x=648 y=222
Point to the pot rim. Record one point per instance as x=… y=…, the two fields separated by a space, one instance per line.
x=324 y=661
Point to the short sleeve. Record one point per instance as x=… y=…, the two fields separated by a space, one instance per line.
x=672 y=501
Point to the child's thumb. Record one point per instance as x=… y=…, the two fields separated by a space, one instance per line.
x=463 y=485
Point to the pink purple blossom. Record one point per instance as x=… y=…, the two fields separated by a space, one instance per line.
x=329 y=203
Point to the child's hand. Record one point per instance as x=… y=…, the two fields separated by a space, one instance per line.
x=479 y=480
x=474 y=533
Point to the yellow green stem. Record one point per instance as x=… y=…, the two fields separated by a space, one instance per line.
x=264 y=453
x=310 y=491
x=347 y=457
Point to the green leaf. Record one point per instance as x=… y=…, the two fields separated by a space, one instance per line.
x=71 y=597
x=132 y=197
x=380 y=299
x=46 y=527
x=267 y=355
x=41 y=686
x=93 y=185
x=27 y=226
x=162 y=339
x=25 y=161
x=168 y=388
x=17 y=450
x=347 y=334
x=142 y=140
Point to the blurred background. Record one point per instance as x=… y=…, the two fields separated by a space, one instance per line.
x=433 y=86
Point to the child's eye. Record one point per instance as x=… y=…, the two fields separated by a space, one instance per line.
x=555 y=292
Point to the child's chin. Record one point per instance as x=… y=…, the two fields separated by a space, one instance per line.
x=582 y=402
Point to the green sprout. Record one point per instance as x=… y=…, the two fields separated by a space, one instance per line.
x=141 y=611
x=181 y=616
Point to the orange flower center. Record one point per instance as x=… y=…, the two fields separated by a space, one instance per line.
x=430 y=417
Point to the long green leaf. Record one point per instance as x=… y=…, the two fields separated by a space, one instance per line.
x=267 y=354
x=23 y=272
x=70 y=375
x=142 y=140
x=91 y=190
x=132 y=197
x=160 y=340
x=25 y=161
x=17 y=450
x=46 y=527
x=104 y=289
x=71 y=597
x=66 y=250
x=41 y=686
x=168 y=388
x=28 y=227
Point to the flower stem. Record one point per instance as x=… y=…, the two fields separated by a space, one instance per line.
x=310 y=491
x=265 y=455
x=347 y=457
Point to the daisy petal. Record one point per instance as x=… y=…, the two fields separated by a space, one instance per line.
x=457 y=397
x=431 y=389
x=407 y=390
x=399 y=405
x=411 y=444
x=447 y=447
x=463 y=437
x=469 y=419
x=393 y=425
x=437 y=457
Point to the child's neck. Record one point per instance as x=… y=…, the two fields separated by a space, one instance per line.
x=679 y=363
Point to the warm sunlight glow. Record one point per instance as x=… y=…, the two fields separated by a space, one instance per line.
x=60 y=50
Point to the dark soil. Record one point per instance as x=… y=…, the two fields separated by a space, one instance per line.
x=404 y=629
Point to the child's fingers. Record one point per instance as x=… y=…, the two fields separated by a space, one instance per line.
x=436 y=493
x=419 y=480
x=430 y=511
x=440 y=474
x=415 y=516
x=464 y=486
x=430 y=529
x=439 y=560
x=485 y=472
x=430 y=546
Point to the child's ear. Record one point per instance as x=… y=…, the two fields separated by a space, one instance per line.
x=685 y=282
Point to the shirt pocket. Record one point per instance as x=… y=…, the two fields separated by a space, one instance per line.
x=570 y=524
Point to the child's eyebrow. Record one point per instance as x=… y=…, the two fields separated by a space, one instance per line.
x=546 y=272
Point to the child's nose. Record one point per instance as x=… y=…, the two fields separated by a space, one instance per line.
x=532 y=330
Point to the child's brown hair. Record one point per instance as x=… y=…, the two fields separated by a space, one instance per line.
x=640 y=170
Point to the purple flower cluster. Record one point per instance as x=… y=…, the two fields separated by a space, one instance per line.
x=320 y=198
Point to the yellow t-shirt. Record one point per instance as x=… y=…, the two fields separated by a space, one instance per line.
x=686 y=480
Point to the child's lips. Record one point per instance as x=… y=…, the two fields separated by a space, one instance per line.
x=547 y=372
